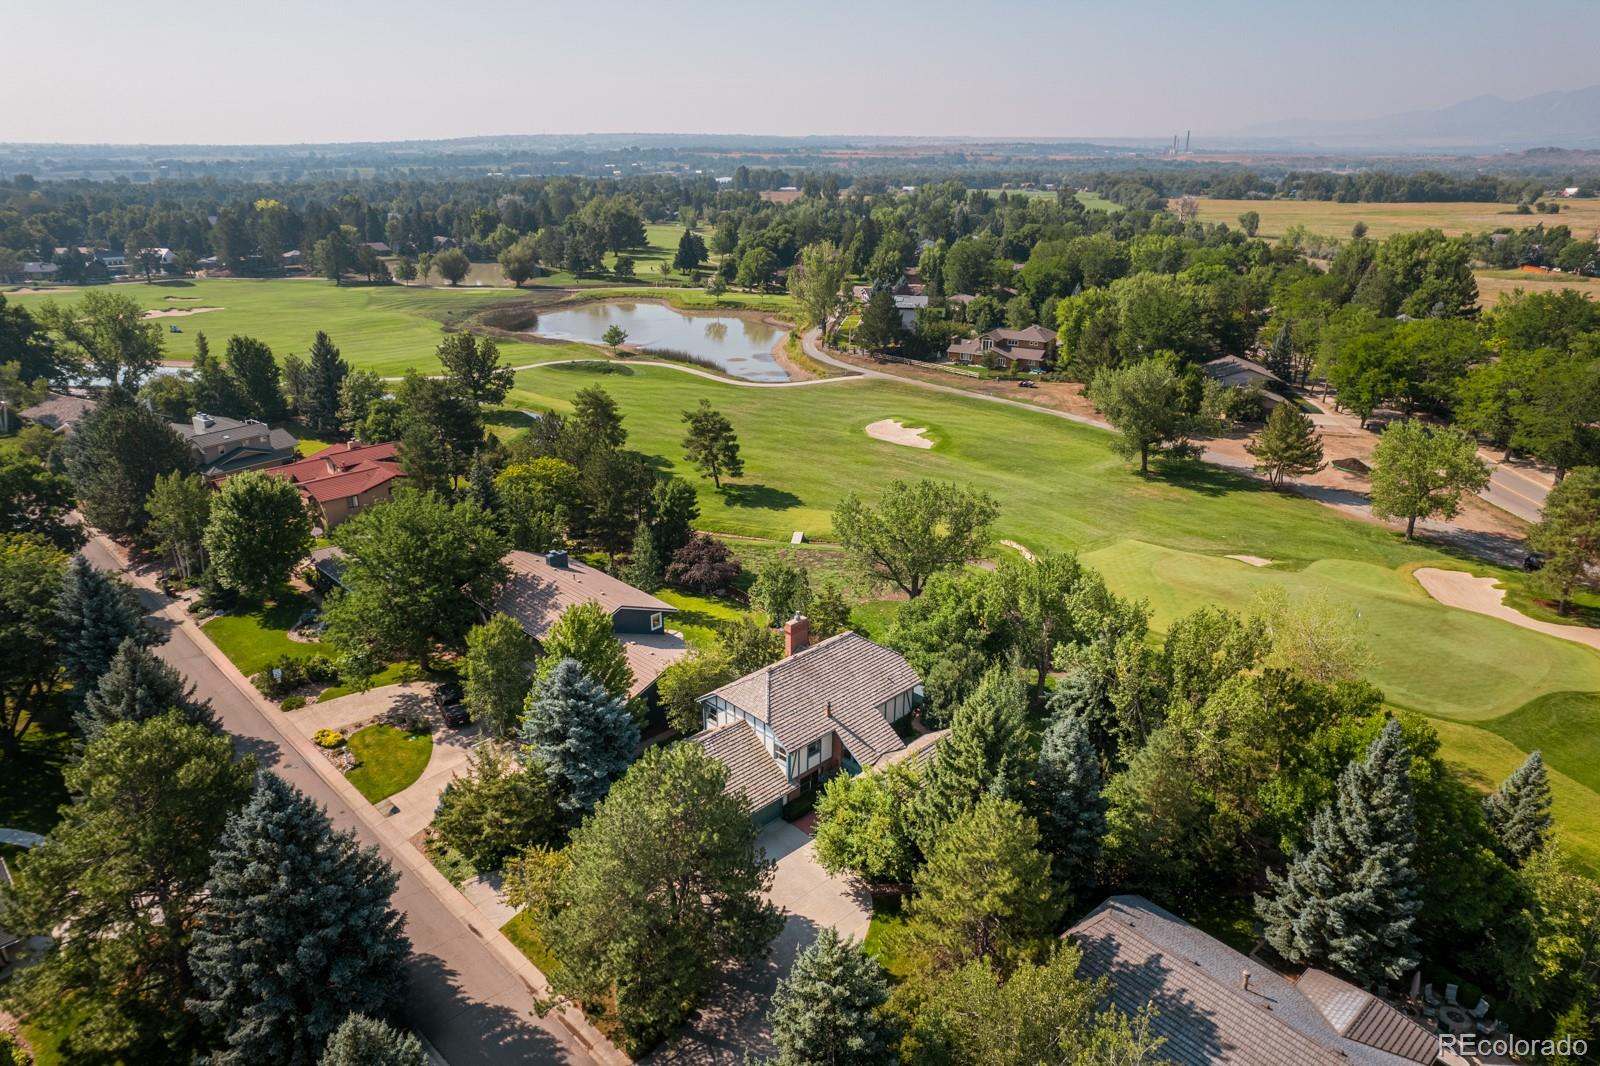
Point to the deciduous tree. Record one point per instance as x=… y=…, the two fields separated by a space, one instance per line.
x=584 y=632
x=781 y=589
x=917 y=529
x=34 y=500
x=31 y=580
x=104 y=335
x=496 y=809
x=704 y=565
x=519 y=260
x=452 y=265
x=864 y=825
x=817 y=283
x=180 y=508
x=1147 y=404
x=256 y=379
x=497 y=669
x=258 y=530
x=1419 y=472
x=683 y=682
x=1568 y=535
x=113 y=459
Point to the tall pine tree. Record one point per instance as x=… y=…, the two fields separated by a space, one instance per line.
x=644 y=570
x=296 y=932
x=325 y=373
x=1350 y=896
x=1067 y=800
x=829 y=1010
x=986 y=752
x=139 y=686
x=98 y=612
x=1519 y=810
x=581 y=735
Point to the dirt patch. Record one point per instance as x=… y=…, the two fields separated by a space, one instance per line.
x=1457 y=588
x=179 y=312
x=1252 y=560
x=896 y=432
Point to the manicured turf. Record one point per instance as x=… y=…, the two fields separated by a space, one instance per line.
x=698 y=618
x=254 y=639
x=1565 y=726
x=1484 y=760
x=885 y=935
x=389 y=760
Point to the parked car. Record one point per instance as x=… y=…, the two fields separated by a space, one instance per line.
x=1025 y=384
x=449 y=695
x=1532 y=561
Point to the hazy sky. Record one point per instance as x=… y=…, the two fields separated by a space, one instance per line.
x=227 y=71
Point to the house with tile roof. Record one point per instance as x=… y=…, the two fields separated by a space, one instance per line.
x=340 y=482
x=785 y=728
x=1006 y=349
x=541 y=587
x=1217 y=1007
x=58 y=412
x=224 y=446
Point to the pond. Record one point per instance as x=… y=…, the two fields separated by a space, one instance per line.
x=734 y=344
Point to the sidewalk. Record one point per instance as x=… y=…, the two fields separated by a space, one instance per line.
x=395 y=842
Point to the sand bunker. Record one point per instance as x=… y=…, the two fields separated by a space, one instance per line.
x=1253 y=560
x=896 y=432
x=1457 y=588
x=180 y=312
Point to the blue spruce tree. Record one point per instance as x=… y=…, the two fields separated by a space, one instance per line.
x=296 y=933
x=582 y=736
x=139 y=686
x=1350 y=896
x=1068 y=800
x=1519 y=810
x=98 y=612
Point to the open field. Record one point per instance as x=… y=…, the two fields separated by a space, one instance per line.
x=1335 y=219
x=1493 y=285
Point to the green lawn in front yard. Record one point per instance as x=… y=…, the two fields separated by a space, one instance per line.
x=31 y=787
x=523 y=931
x=254 y=637
x=392 y=674
x=388 y=760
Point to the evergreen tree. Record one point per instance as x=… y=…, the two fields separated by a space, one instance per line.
x=496 y=809
x=986 y=753
x=880 y=323
x=673 y=508
x=580 y=734
x=97 y=612
x=213 y=389
x=829 y=1010
x=1068 y=799
x=1288 y=445
x=1519 y=810
x=711 y=444
x=1350 y=896
x=364 y=1041
x=325 y=374
x=986 y=891
x=1280 y=354
x=256 y=379
x=481 y=488
x=644 y=569
x=139 y=686
x=472 y=367
x=296 y=932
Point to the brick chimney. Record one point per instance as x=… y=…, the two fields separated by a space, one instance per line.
x=796 y=634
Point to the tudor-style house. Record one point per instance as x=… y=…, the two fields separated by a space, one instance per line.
x=823 y=707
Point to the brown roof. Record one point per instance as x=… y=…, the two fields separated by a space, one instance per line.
x=836 y=685
x=1195 y=982
x=58 y=411
x=917 y=753
x=1358 y=1015
x=1036 y=333
x=648 y=654
x=1235 y=371
x=538 y=592
x=752 y=771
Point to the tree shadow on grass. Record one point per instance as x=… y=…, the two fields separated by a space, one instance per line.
x=1205 y=478
x=762 y=496
x=507 y=416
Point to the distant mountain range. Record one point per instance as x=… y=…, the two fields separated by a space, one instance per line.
x=1565 y=119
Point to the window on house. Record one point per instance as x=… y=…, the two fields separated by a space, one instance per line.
x=355 y=501
x=655 y=622
x=813 y=753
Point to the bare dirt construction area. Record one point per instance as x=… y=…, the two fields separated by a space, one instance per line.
x=896 y=432
x=1457 y=588
x=179 y=312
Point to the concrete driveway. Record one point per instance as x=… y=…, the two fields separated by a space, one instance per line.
x=732 y=1026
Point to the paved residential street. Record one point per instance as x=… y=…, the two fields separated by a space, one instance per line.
x=471 y=1004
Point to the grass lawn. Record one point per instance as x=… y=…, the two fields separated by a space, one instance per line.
x=253 y=639
x=31 y=787
x=699 y=618
x=392 y=674
x=388 y=760
x=1095 y=202
x=696 y=299
x=885 y=935
x=524 y=933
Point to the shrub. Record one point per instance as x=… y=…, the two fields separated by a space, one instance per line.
x=326 y=738
x=294 y=703
x=704 y=565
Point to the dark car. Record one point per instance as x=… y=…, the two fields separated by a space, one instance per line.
x=448 y=695
x=1532 y=561
x=1027 y=384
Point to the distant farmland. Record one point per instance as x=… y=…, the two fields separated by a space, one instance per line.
x=1383 y=220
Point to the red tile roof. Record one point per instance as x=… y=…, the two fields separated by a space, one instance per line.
x=344 y=470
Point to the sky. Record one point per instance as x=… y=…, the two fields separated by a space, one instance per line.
x=294 y=71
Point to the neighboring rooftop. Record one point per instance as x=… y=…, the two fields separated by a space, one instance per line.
x=752 y=771
x=839 y=684
x=58 y=411
x=1216 y=1006
x=1236 y=372
x=245 y=445
x=344 y=470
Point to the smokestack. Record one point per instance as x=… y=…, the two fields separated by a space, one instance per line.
x=796 y=634
x=1186 y=142
x=1244 y=980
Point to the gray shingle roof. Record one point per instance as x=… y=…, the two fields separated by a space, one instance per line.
x=838 y=685
x=1195 y=983
x=752 y=771
x=538 y=592
x=59 y=411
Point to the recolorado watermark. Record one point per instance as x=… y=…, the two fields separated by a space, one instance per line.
x=1473 y=1044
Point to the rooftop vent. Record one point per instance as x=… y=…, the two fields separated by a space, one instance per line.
x=557 y=557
